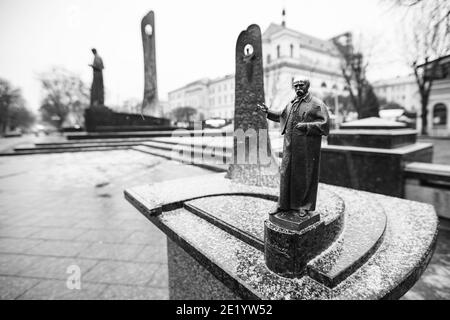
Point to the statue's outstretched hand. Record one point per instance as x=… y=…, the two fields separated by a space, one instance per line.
x=263 y=107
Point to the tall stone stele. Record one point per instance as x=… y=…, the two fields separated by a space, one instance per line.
x=252 y=162
x=150 y=101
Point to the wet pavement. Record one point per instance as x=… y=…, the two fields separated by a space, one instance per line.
x=61 y=211
x=68 y=209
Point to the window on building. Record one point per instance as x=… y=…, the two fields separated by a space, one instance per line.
x=440 y=115
x=292 y=50
x=268 y=58
x=278 y=51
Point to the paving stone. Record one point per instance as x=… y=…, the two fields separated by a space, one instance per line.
x=58 y=290
x=104 y=236
x=18 y=232
x=108 y=224
x=12 y=287
x=114 y=292
x=12 y=245
x=12 y=264
x=160 y=278
x=59 y=222
x=153 y=253
x=112 y=251
x=58 y=248
x=57 y=233
x=56 y=268
x=115 y=272
x=147 y=237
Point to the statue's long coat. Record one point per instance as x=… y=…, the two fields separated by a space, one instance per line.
x=97 y=91
x=299 y=172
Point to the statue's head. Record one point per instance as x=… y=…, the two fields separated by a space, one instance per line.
x=94 y=51
x=301 y=86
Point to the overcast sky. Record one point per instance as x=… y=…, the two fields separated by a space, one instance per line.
x=194 y=38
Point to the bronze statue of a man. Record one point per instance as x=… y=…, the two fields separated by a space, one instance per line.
x=303 y=123
x=97 y=91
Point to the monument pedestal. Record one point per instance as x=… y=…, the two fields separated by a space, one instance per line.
x=372 y=246
x=370 y=155
x=290 y=241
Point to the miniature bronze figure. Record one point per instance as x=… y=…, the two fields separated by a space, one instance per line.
x=303 y=123
x=97 y=91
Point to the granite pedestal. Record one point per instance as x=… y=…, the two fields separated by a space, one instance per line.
x=377 y=249
x=370 y=155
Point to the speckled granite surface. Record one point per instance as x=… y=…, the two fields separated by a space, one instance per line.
x=190 y=280
x=389 y=265
x=249 y=213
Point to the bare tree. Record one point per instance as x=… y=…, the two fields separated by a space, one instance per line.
x=439 y=11
x=13 y=113
x=184 y=113
x=65 y=93
x=426 y=38
x=354 y=67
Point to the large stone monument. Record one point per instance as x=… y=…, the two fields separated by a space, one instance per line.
x=150 y=101
x=101 y=118
x=223 y=245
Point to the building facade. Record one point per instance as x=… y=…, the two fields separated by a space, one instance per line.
x=194 y=94
x=405 y=92
x=401 y=90
x=438 y=108
x=438 y=121
x=221 y=97
x=286 y=54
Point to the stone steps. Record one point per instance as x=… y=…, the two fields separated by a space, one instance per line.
x=207 y=141
x=31 y=151
x=97 y=141
x=74 y=146
x=196 y=150
x=142 y=134
x=168 y=153
x=89 y=142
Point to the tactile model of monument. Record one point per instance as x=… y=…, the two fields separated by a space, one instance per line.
x=98 y=117
x=223 y=245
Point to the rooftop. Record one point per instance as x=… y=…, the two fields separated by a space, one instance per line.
x=307 y=40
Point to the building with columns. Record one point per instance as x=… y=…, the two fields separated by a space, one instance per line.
x=287 y=53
